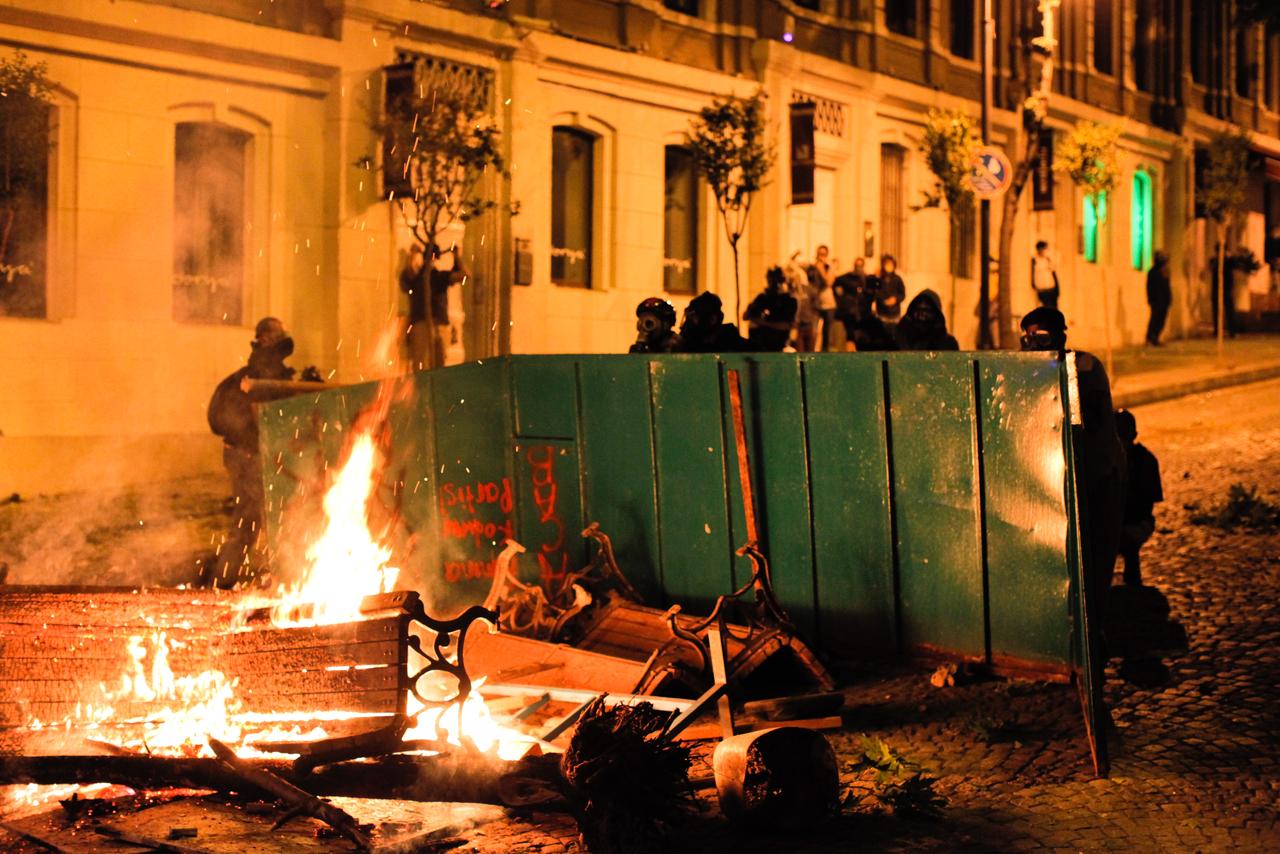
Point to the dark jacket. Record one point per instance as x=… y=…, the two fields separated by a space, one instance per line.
x=771 y=316
x=1143 y=488
x=231 y=415
x=853 y=296
x=890 y=291
x=724 y=339
x=1159 y=291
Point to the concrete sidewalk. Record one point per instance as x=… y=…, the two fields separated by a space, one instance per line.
x=1148 y=374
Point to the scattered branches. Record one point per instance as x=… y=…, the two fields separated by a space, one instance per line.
x=631 y=783
x=893 y=782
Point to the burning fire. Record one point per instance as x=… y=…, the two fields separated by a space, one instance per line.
x=345 y=563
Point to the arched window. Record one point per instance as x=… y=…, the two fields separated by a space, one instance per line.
x=210 y=202
x=572 y=205
x=1141 y=226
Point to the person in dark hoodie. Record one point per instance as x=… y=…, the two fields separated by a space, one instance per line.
x=704 y=329
x=924 y=327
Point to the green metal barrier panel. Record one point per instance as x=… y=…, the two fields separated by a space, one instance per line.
x=906 y=501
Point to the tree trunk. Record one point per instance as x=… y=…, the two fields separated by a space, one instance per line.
x=1222 y=287
x=1030 y=139
x=737 y=286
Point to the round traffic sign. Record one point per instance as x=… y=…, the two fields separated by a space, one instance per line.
x=991 y=172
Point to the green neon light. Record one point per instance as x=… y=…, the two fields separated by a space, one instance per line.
x=1141 y=231
x=1093 y=215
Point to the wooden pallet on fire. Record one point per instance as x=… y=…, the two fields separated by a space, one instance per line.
x=97 y=657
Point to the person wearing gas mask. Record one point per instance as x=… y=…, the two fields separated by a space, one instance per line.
x=704 y=330
x=1104 y=467
x=655 y=327
x=231 y=417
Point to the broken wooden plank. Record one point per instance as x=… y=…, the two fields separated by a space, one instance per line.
x=458 y=777
x=294 y=797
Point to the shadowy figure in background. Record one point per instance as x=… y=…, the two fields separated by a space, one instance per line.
x=1044 y=276
x=430 y=335
x=807 y=319
x=853 y=299
x=890 y=291
x=1102 y=465
x=655 y=327
x=232 y=417
x=772 y=314
x=925 y=326
x=1159 y=297
x=1143 y=491
x=704 y=330
x=821 y=275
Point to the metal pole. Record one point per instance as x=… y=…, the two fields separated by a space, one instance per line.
x=984 y=226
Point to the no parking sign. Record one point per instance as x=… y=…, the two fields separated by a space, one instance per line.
x=991 y=174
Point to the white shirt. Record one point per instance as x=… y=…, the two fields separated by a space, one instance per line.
x=1042 y=272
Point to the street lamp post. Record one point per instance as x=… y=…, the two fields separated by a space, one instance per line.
x=984 y=226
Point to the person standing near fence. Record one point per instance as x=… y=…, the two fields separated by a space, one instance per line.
x=821 y=277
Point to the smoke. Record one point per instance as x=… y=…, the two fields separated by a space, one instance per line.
x=155 y=534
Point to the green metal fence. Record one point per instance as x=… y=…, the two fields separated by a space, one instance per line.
x=907 y=501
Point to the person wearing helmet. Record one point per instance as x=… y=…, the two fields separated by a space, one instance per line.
x=655 y=327
x=231 y=417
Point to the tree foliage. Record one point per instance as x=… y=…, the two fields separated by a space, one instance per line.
x=24 y=138
x=1226 y=174
x=949 y=145
x=1088 y=156
x=452 y=143
x=732 y=152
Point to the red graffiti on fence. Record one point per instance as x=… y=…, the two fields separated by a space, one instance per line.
x=542 y=472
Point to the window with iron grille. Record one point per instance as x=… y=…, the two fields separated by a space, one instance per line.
x=210 y=169
x=829 y=116
x=572 y=205
x=962 y=243
x=892 y=200
x=680 y=222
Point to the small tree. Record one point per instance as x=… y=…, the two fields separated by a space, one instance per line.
x=1225 y=177
x=1088 y=156
x=949 y=143
x=450 y=142
x=730 y=150
x=24 y=155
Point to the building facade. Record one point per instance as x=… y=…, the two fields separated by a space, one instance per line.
x=214 y=161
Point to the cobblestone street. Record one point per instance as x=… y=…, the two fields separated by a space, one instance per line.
x=1194 y=761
